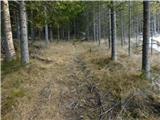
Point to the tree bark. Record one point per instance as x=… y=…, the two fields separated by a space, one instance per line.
x=46 y=28
x=99 y=24
x=51 y=34
x=32 y=28
x=129 y=30
x=74 y=27
x=58 y=33
x=136 y=28
x=146 y=35
x=18 y=27
x=109 y=30
x=9 y=49
x=94 y=25
x=68 y=31
x=121 y=20
x=113 y=33
x=154 y=24
x=24 y=34
x=158 y=22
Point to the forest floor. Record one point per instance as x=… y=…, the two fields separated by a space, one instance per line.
x=78 y=81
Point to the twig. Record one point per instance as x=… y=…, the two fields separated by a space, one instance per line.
x=109 y=109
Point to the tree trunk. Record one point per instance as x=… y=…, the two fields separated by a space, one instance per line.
x=146 y=35
x=136 y=31
x=74 y=25
x=58 y=33
x=32 y=33
x=151 y=40
x=113 y=33
x=109 y=30
x=129 y=30
x=94 y=24
x=97 y=33
x=158 y=22
x=32 y=28
x=18 y=27
x=51 y=34
x=99 y=25
x=46 y=28
x=39 y=34
x=24 y=34
x=63 y=34
x=68 y=31
x=9 y=49
x=121 y=20
x=154 y=24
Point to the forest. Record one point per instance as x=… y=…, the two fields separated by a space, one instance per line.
x=80 y=60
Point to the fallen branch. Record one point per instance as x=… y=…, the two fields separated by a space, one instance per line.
x=41 y=59
x=109 y=109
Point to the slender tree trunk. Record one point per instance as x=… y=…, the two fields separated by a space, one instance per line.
x=94 y=25
x=109 y=30
x=39 y=34
x=136 y=31
x=32 y=28
x=46 y=34
x=121 y=20
x=129 y=30
x=32 y=32
x=63 y=34
x=46 y=28
x=123 y=32
x=151 y=43
x=18 y=26
x=68 y=32
x=146 y=35
x=113 y=33
x=99 y=25
x=9 y=49
x=74 y=25
x=97 y=33
x=158 y=22
x=1 y=33
x=58 y=33
x=51 y=34
x=24 y=34
x=87 y=27
x=87 y=32
x=154 y=24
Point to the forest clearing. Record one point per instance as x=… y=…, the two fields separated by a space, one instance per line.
x=80 y=60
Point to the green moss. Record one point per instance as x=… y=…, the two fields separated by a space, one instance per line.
x=18 y=93
x=11 y=100
x=8 y=67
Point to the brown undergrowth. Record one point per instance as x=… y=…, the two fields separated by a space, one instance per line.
x=124 y=91
x=78 y=81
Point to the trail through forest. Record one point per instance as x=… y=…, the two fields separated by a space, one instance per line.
x=80 y=60
x=60 y=85
x=53 y=86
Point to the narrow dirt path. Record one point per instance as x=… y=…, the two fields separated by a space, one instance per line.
x=56 y=93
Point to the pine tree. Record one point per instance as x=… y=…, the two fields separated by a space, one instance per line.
x=24 y=34
x=146 y=35
x=9 y=49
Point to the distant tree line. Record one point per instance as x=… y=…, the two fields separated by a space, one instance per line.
x=116 y=22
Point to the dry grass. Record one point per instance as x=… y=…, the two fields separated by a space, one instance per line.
x=21 y=87
x=58 y=89
x=123 y=79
